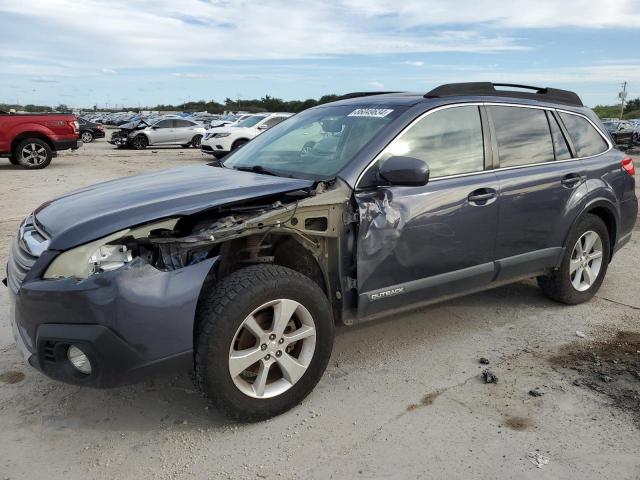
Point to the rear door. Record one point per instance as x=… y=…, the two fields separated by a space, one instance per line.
x=540 y=186
x=416 y=244
x=184 y=131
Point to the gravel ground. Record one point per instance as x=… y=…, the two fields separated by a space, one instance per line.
x=402 y=398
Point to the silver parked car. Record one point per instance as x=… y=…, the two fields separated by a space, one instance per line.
x=164 y=131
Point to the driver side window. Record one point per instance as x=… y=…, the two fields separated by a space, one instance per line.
x=449 y=140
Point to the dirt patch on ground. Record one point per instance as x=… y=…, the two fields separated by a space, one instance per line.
x=426 y=400
x=11 y=377
x=610 y=367
x=518 y=423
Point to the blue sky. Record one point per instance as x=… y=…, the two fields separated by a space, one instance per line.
x=143 y=52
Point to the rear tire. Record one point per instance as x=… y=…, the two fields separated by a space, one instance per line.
x=32 y=154
x=262 y=294
x=86 y=137
x=583 y=266
x=139 y=142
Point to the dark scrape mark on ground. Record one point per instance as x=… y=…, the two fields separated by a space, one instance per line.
x=610 y=367
x=518 y=423
x=426 y=401
x=11 y=377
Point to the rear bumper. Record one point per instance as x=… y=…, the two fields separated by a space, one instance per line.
x=66 y=144
x=98 y=133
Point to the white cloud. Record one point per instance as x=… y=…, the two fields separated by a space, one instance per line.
x=515 y=13
x=108 y=71
x=377 y=85
x=150 y=33
x=412 y=63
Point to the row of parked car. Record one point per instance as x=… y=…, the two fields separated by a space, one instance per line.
x=208 y=120
x=222 y=136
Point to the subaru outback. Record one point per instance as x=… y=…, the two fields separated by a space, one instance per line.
x=239 y=271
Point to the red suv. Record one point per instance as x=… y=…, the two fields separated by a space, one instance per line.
x=31 y=140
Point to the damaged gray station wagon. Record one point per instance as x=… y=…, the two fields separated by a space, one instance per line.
x=240 y=270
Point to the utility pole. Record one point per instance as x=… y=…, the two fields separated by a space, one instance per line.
x=623 y=96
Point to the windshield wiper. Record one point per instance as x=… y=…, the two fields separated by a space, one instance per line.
x=257 y=169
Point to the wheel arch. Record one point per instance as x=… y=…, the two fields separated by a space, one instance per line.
x=30 y=134
x=241 y=139
x=607 y=212
x=287 y=251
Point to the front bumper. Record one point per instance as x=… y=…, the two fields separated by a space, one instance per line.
x=119 y=140
x=131 y=323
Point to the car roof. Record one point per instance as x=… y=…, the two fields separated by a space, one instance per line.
x=469 y=92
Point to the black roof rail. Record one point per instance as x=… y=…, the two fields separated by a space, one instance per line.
x=361 y=94
x=487 y=88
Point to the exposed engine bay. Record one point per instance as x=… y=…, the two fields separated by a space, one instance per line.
x=303 y=229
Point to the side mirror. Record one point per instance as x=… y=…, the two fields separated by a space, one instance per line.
x=406 y=171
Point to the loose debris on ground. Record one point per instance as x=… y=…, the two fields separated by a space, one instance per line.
x=610 y=367
x=489 y=377
x=538 y=459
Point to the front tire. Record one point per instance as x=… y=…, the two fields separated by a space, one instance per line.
x=263 y=340
x=238 y=143
x=139 y=142
x=196 y=141
x=583 y=266
x=33 y=154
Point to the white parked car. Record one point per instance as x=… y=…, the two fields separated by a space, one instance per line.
x=222 y=140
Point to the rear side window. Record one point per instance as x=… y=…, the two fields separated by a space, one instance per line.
x=183 y=123
x=449 y=140
x=585 y=138
x=560 y=146
x=523 y=136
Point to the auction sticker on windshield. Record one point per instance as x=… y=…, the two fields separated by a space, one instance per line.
x=371 y=112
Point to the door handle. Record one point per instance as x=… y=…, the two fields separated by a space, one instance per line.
x=571 y=180
x=482 y=196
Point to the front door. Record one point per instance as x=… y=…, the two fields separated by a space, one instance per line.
x=417 y=244
x=163 y=132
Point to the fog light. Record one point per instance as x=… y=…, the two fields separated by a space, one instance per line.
x=79 y=360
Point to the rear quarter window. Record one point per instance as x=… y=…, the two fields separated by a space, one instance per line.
x=586 y=139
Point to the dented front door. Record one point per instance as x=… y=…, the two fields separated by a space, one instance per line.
x=419 y=244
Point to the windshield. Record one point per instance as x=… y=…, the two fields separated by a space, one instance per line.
x=316 y=143
x=611 y=125
x=251 y=121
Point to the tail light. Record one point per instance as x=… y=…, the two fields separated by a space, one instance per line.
x=74 y=126
x=627 y=166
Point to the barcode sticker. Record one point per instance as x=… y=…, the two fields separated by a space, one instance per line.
x=371 y=112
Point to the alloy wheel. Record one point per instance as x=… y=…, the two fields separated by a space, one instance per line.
x=33 y=154
x=86 y=137
x=272 y=348
x=586 y=261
